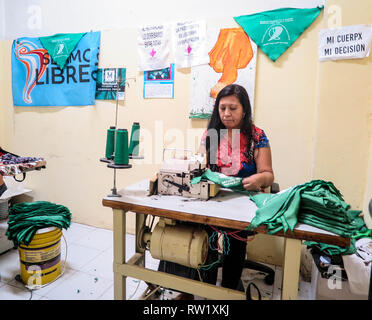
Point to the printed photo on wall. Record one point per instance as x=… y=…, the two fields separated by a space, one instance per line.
x=232 y=59
x=111 y=82
x=159 y=83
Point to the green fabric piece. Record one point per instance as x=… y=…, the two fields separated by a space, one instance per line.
x=60 y=46
x=276 y=30
x=26 y=218
x=363 y=233
x=221 y=179
x=342 y=229
x=200 y=115
x=332 y=249
x=276 y=211
x=317 y=203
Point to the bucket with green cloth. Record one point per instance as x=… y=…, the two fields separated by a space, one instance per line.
x=41 y=259
x=36 y=229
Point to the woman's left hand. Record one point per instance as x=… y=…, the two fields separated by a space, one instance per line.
x=252 y=183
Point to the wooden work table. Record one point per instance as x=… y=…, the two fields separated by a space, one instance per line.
x=227 y=209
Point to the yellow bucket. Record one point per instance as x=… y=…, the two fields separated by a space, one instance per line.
x=41 y=259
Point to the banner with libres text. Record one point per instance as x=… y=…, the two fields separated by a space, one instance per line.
x=350 y=42
x=38 y=81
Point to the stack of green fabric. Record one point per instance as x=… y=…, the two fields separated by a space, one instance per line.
x=317 y=203
x=322 y=206
x=26 y=218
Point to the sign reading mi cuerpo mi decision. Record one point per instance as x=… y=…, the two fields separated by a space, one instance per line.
x=350 y=42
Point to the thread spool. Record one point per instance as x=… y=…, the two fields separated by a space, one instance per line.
x=110 y=142
x=134 y=139
x=121 y=147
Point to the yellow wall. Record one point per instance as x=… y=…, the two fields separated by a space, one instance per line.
x=316 y=115
x=344 y=121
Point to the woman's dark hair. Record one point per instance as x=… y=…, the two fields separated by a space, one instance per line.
x=216 y=123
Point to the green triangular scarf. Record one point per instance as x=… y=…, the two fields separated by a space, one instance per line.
x=60 y=46
x=275 y=31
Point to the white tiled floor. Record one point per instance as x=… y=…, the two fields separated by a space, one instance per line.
x=88 y=274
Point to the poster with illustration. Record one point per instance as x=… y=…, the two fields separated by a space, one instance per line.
x=159 y=83
x=232 y=59
x=110 y=84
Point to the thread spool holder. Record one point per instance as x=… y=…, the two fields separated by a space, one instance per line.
x=110 y=162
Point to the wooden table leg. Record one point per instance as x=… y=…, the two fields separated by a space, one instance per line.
x=291 y=269
x=119 y=253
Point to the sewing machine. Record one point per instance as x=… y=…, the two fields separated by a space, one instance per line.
x=175 y=176
x=169 y=240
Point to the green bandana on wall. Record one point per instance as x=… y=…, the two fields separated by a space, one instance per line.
x=275 y=31
x=60 y=46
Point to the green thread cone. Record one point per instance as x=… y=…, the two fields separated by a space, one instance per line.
x=121 y=147
x=110 y=143
x=134 y=139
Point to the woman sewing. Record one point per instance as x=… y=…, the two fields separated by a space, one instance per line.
x=235 y=147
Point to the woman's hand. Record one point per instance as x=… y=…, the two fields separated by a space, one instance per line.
x=264 y=176
x=252 y=183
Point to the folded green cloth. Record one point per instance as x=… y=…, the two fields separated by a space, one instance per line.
x=332 y=250
x=317 y=203
x=26 y=218
x=342 y=229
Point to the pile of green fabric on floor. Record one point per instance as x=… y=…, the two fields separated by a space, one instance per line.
x=26 y=218
x=317 y=203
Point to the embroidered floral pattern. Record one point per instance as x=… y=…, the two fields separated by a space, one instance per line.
x=237 y=159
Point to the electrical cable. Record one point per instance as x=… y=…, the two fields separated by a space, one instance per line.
x=130 y=298
x=151 y=292
x=152 y=222
x=200 y=277
x=225 y=250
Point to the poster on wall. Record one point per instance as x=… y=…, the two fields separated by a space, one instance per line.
x=154 y=47
x=350 y=42
x=232 y=56
x=189 y=44
x=159 y=83
x=276 y=30
x=38 y=81
x=111 y=84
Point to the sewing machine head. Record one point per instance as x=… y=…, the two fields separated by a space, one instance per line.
x=175 y=176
